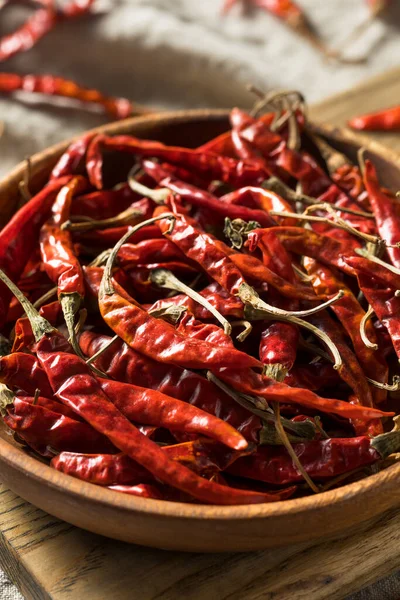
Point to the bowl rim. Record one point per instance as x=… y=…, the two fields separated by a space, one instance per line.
x=46 y=476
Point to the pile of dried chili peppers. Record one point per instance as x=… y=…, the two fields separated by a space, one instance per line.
x=216 y=325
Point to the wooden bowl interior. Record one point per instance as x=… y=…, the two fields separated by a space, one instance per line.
x=186 y=526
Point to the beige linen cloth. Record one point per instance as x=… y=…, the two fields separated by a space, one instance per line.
x=182 y=53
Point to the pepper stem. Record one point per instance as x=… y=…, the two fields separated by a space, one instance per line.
x=106 y=287
x=363 y=331
x=40 y=326
x=124 y=218
x=167 y=280
x=254 y=310
x=248 y=328
x=170 y=313
x=389 y=387
x=7 y=397
x=275 y=371
x=102 y=349
x=386 y=443
x=286 y=442
x=259 y=407
x=249 y=296
x=336 y=222
x=158 y=196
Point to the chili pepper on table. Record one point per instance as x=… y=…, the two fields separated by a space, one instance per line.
x=25 y=37
x=382 y=120
x=122 y=363
x=321 y=459
x=212 y=166
x=50 y=85
x=294 y=17
x=387 y=219
x=19 y=237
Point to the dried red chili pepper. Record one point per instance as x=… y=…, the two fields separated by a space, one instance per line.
x=220 y=299
x=202 y=199
x=305 y=242
x=321 y=459
x=124 y=364
x=73 y=158
x=253 y=384
x=22 y=371
x=58 y=255
x=151 y=407
x=350 y=314
x=201 y=456
x=19 y=237
x=143 y=490
x=46 y=431
x=387 y=219
x=381 y=297
x=50 y=85
x=260 y=198
x=213 y=166
x=104 y=204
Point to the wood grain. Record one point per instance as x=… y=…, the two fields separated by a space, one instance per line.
x=51 y=560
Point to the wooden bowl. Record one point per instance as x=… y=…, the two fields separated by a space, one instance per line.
x=181 y=526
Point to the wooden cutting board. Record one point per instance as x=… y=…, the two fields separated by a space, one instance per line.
x=51 y=560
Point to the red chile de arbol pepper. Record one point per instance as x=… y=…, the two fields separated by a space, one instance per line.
x=23 y=372
x=58 y=255
x=254 y=384
x=124 y=364
x=205 y=164
x=47 y=431
x=384 y=209
x=350 y=313
x=202 y=199
x=74 y=385
x=117 y=108
x=381 y=296
x=152 y=407
x=73 y=157
x=201 y=456
x=321 y=459
x=19 y=237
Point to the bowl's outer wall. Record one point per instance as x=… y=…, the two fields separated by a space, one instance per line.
x=174 y=525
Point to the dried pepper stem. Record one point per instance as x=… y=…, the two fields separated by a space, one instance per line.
x=285 y=440
x=158 y=196
x=124 y=218
x=106 y=284
x=258 y=406
x=389 y=387
x=257 y=311
x=335 y=222
x=166 y=279
x=363 y=332
x=249 y=296
x=106 y=346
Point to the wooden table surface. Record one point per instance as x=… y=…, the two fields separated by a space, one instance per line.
x=49 y=559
